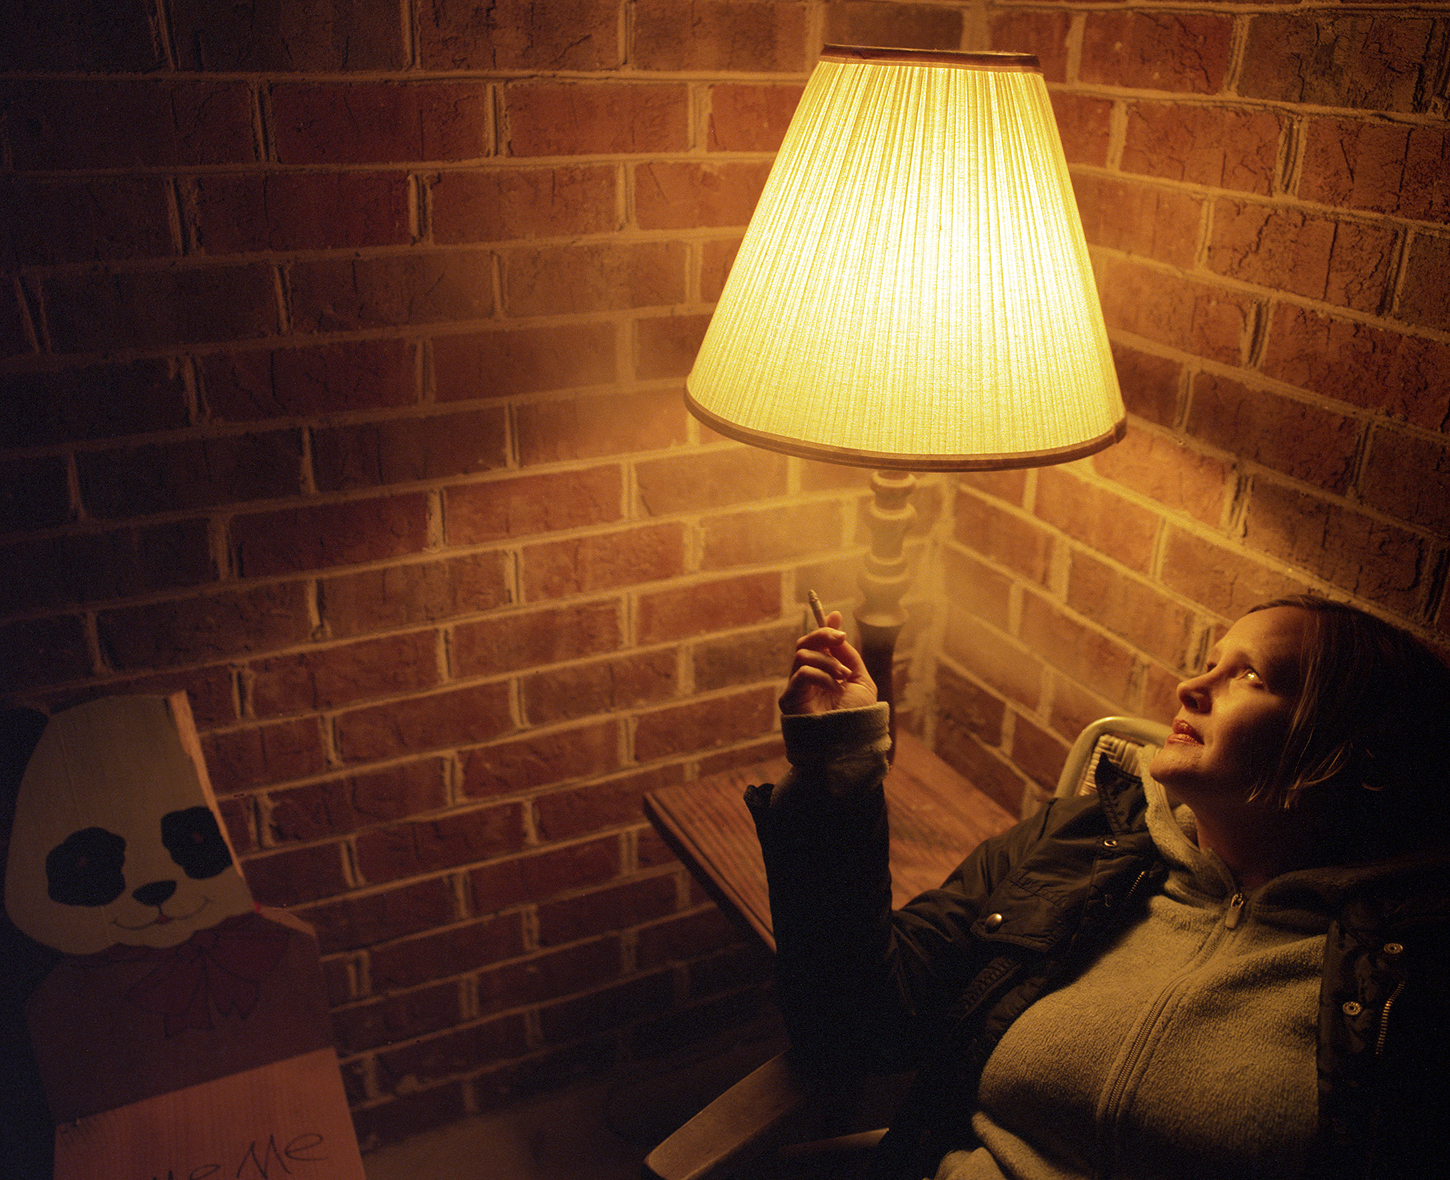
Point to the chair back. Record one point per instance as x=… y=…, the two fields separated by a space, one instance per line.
x=1128 y=742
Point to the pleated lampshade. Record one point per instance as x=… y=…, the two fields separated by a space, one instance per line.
x=914 y=289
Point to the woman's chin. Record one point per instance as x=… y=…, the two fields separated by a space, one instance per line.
x=1171 y=763
x=1181 y=774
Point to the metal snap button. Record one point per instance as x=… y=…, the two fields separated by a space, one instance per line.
x=1393 y=948
x=992 y=922
x=1109 y=842
x=1352 y=1007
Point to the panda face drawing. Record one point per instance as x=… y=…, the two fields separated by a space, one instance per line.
x=114 y=840
x=87 y=868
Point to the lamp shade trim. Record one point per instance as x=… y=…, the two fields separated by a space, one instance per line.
x=961 y=59
x=849 y=457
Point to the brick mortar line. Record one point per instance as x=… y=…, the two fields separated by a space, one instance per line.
x=478 y=1018
x=488 y=163
x=1272 y=294
x=1259 y=8
x=1186 y=524
x=232 y=510
x=624 y=594
x=539 y=1049
x=233 y=584
x=324 y=646
x=40 y=364
x=1193 y=362
x=1142 y=660
x=1281 y=200
x=471 y=921
x=1009 y=703
x=1436 y=542
x=1255 y=378
x=414 y=76
x=45 y=361
x=1200 y=610
x=344 y=770
x=337 y=775
x=1240 y=102
x=192 y=263
x=460 y=923
x=1207 y=277
x=491 y=163
x=1069 y=546
x=463 y=164
x=1261 y=471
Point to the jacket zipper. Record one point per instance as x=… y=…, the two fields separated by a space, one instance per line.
x=1379 y=1044
x=1109 y=1111
x=1133 y=888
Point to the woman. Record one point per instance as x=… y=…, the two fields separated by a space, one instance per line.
x=1239 y=966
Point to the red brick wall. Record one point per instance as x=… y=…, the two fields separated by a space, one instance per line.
x=1265 y=194
x=342 y=353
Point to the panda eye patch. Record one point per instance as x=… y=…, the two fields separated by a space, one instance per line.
x=195 y=842
x=85 y=868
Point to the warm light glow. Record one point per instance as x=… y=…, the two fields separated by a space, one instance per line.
x=914 y=289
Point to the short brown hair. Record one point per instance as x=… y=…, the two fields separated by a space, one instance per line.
x=1372 y=726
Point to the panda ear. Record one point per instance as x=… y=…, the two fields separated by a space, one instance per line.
x=20 y=731
x=26 y=960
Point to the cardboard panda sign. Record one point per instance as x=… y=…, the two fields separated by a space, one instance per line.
x=183 y=1028
x=113 y=841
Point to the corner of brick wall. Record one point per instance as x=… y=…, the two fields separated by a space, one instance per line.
x=1265 y=195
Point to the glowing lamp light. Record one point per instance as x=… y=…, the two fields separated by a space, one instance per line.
x=913 y=292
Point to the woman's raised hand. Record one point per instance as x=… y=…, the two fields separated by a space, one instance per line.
x=827 y=673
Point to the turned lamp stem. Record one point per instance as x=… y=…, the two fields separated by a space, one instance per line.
x=884 y=579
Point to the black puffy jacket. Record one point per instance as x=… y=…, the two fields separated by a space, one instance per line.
x=934 y=985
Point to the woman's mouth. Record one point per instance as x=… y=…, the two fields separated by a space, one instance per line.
x=1185 y=734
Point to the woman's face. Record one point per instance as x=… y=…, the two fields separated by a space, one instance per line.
x=1233 y=717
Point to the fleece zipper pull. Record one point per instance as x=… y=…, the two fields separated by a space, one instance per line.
x=1235 y=911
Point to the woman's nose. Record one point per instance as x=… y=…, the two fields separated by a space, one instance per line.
x=1193 y=693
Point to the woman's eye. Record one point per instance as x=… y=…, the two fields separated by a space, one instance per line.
x=1251 y=674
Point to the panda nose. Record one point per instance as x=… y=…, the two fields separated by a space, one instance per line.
x=154 y=893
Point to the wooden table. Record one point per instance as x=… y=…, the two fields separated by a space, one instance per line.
x=936 y=817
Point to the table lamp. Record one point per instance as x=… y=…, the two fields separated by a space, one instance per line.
x=913 y=293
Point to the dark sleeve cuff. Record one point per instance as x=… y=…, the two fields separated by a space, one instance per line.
x=839 y=755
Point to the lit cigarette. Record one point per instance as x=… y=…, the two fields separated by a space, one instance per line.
x=816 y=609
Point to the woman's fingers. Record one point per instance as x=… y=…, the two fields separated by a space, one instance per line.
x=849 y=658
x=826 y=661
x=827 y=673
x=810 y=690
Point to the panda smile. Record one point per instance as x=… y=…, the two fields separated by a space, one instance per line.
x=163 y=918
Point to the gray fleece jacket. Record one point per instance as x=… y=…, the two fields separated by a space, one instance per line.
x=1185 y=1050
